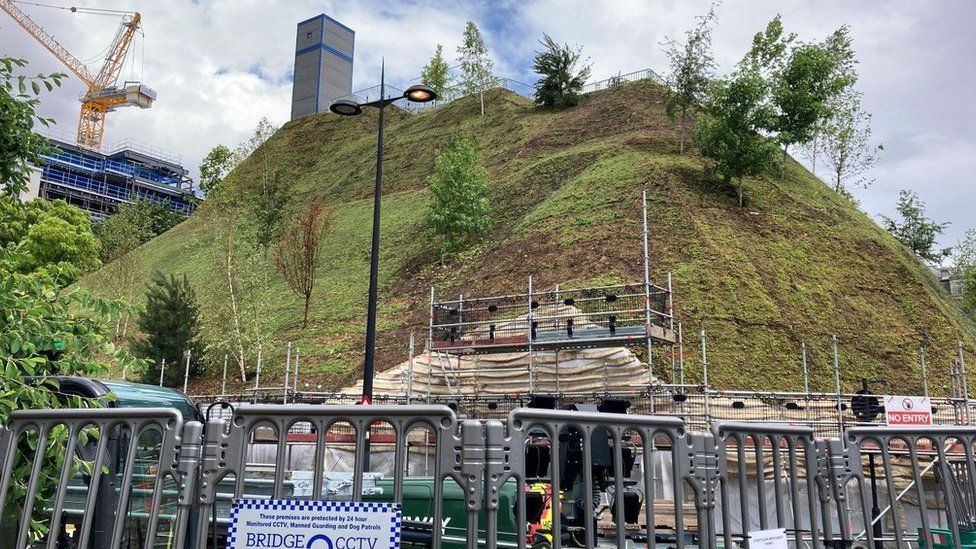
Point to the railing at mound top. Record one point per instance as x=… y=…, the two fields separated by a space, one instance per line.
x=527 y=90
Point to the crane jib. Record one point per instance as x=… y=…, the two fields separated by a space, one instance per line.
x=102 y=95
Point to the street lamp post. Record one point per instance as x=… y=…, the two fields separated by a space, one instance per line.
x=347 y=107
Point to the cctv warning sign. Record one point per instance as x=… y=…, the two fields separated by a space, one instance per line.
x=908 y=411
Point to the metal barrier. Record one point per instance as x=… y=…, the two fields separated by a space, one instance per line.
x=597 y=440
x=226 y=443
x=934 y=463
x=156 y=467
x=555 y=478
x=793 y=455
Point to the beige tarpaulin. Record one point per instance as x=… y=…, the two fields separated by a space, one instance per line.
x=585 y=370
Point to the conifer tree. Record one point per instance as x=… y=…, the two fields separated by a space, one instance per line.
x=562 y=75
x=434 y=75
x=172 y=327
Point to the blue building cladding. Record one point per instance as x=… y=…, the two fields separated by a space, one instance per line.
x=100 y=183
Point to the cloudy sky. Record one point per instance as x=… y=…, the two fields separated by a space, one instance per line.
x=219 y=66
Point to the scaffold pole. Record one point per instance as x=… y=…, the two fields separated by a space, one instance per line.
x=257 y=375
x=430 y=344
x=704 y=358
x=647 y=297
x=410 y=369
x=925 y=379
x=681 y=355
x=806 y=377
x=965 y=382
x=295 y=380
x=840 y=412
x=186 y=375
x=531 y=356
x=284 y=393
x=223 y=378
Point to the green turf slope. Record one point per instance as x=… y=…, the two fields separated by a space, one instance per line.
x=798 y=264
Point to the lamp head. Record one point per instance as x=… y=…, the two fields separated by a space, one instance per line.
x=420 y=94
x=345 y=107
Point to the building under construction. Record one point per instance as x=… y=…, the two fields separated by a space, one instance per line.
x=100 y=182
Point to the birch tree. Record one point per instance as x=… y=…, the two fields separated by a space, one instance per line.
x=845 y=143
x=476 y=65
x=692 y=69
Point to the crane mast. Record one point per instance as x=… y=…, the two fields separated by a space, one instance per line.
x=103 y=94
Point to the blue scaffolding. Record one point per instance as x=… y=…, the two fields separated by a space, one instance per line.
x=99 y=183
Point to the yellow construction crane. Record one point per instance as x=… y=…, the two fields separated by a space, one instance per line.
x=103 y=93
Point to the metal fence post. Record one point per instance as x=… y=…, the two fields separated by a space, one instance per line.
x=925 y=379
x=223 y=378
x=965 y=382
x=162 y=370
x=284 y=392
x=186 y=375
x=257 y=375
x=840 y=411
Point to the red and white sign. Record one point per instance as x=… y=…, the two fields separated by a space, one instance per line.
x=908 y=411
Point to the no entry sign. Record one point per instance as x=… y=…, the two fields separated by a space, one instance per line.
x=908 y=411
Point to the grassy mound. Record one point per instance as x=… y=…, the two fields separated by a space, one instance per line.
x=798 y=264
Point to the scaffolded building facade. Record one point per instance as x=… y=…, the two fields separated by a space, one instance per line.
x=100 y=182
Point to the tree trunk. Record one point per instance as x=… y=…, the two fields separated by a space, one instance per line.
x=308 y=299
x=229 y=250
x=125 y=326
x=816 y=152
x=741 y=197
x=482 y=94
x=681 y=138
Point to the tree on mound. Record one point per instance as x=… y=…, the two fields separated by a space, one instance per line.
x=172 y=327
x=299 y=253
x=916 y=230
x=692 y=67
x=730 y=132
x=562 y=74
x=459 y=210
x=435 y=75
x=476 y=66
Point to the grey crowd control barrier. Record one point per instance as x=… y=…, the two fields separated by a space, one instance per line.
x=146 y=478
x=791 y=483
x=226 y=443
x=117 y=472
